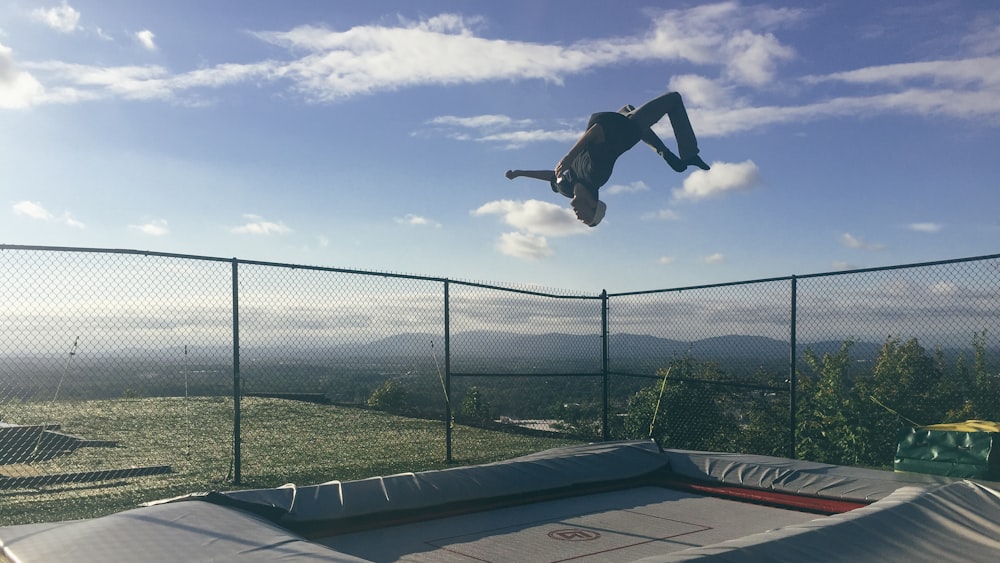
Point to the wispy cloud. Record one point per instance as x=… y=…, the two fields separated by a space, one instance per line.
x=154 y=227
x=664 y=260
x=852 y=241
x=63 y=18
x=634 y=187
x=665 y=214
x=724 y=177
x=717 y=258
x=257 y=225
x=738 y=47
x=417 y=221
x=925 y=227
x=36 y=211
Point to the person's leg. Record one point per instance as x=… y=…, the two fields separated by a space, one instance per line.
x=544 y=175
x=649 y=137
x=670 y=104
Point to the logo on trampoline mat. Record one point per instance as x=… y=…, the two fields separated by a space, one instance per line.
x=574 y=534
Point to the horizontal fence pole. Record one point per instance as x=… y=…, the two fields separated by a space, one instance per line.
x=755 y=386
x=488 y=286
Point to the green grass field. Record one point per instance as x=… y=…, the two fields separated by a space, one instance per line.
x=281 y=442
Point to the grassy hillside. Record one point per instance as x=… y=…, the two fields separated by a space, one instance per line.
x=282 y=442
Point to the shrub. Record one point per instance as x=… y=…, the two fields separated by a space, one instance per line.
x=390 y=397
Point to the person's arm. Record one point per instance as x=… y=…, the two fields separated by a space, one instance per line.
x=544 y=175
x=593 y=135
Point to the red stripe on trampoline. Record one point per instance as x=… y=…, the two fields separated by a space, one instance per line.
x=771 y=498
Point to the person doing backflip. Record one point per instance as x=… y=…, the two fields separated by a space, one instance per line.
x=588 y=165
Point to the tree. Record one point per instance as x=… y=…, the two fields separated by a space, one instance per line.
x=827 y=417
x=475 y=408
x=688 y=412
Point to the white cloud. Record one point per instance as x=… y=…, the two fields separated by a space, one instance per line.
x=634 y=187
x=32 y=210
x=925 y=227
x=723 y=178
x=699 y=91
x=63 y=18
x=944 y=288
x=666 y=260
x=257 y=225
x=155 y=227
x=36 y=211
x=417 y=221
x=535 y=217
x=447 y=50
x=717 y=258
x=841 y=265
x=753 y=58
x=145 y=38
x=18 y=89
x=524 y=245
x=859 y=243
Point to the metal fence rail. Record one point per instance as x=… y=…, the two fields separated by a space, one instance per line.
x=128 y=376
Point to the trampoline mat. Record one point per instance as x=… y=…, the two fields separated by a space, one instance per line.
x=613 y=526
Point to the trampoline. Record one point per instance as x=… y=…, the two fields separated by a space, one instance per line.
x=618 y=501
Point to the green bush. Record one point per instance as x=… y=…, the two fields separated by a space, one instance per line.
x=475 y=408
x=389 y=397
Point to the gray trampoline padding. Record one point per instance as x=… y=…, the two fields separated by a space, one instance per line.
x=551 y=470
x=795 y=476
x=190 y=531
x=545 y=507
x=955 y=522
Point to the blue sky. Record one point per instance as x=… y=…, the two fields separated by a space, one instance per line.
x=375 y=135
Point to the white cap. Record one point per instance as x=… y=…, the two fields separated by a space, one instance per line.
x=599 y=212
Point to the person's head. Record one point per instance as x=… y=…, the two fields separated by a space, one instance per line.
x=586 y=206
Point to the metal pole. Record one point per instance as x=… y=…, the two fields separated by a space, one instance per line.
x=792 y=406
x=447 y=374
x=237 y=461
x=605 y=431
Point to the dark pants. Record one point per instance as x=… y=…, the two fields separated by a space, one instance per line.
x=669 y=104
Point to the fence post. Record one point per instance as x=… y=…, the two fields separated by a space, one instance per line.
x=605 y=431
x=792 y=406
x=447 y=374
x=237 y=461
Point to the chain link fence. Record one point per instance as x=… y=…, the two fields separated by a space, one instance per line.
x=129 y=376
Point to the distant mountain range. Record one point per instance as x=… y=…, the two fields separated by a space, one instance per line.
x=483 y=345
x=557 y=345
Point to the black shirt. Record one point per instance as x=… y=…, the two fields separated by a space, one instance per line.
x=620 y=135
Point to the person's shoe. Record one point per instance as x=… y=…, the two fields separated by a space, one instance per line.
x=697 y=161
x=626 y=109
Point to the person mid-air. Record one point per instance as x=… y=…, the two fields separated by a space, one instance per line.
x=588 y=165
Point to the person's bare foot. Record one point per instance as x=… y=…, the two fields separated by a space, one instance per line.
x=673 y=161
x=697 y=161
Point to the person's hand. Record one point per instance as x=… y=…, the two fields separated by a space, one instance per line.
x=560 y=167
x=510 y=174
